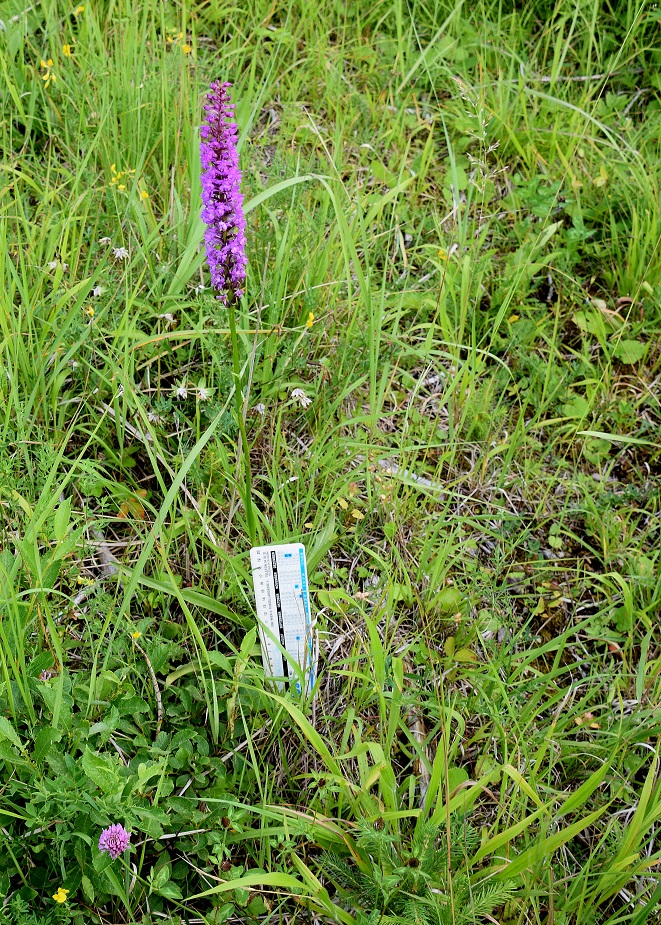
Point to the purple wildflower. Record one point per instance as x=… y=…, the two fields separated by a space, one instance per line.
x=222 y=199
x=115 y=840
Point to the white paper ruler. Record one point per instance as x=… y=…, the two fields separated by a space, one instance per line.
x=283 y=610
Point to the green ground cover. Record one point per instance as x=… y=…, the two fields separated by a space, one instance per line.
x=454 y=228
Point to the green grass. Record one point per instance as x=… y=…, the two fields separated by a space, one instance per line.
x=466 y=199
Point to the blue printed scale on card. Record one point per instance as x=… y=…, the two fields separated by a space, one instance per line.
x=283 y=611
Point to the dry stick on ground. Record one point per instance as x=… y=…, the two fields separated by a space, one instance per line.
x=159 y=702
x=416 y=725
x=109 y=567
x=389 y=467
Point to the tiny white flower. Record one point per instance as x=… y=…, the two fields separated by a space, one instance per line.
x=97 y=291
x=65 y=266
x=199 y=288
x=120 y=253
x=203 y=394
x=154 y=418
x=105 y=241
x=52 y=265
x=163 y=268
x=260 y=408
x=304 y=399
x=169 y=317
x=181 y=392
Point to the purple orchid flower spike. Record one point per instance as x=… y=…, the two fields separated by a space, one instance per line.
x=222 y=199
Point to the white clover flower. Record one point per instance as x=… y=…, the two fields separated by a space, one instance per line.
x=260 y=408
x=120 y=253
x=97 y=291
x=304 y=399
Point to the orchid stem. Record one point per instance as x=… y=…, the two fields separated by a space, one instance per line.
x=238 y=399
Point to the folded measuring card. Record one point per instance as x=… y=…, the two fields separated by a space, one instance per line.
x=283 y=610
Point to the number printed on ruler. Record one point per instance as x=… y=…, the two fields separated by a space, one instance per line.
x=283 y=609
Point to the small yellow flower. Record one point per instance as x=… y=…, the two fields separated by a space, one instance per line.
x=136 y=635
x=61 y=895
x=310 y=321
x=144 y=194
x=117 y=176
x=186 y=49
x=67 y=51
x=48 y=78
x=89 y=311
x=79 y=9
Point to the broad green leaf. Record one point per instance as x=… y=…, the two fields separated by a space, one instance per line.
x=8 y=731
x=629 y=351
x=88 y=889
x=170 y=890
x=43 y=741
x=279 y=881
x=448 y=600
x=61 y=520
x=100 y=770
x=576 y=407
x=161 y=877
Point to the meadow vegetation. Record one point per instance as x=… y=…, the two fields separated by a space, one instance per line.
x=453 y=223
